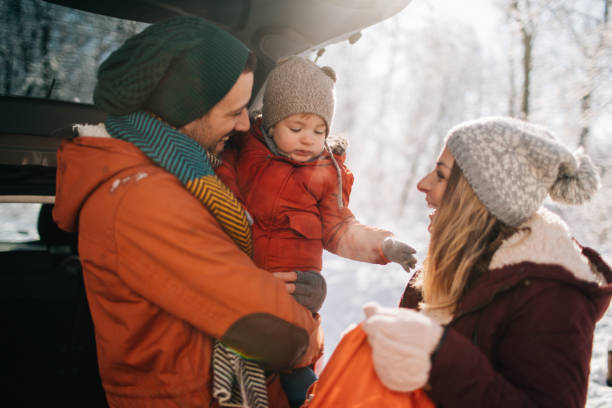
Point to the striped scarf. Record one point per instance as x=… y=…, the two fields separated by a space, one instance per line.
x=236 y=382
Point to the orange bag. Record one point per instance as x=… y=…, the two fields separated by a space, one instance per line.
x=349 y=380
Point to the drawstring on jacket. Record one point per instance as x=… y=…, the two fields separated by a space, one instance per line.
x=338 y=172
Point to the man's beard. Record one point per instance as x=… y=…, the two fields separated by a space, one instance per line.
x=214 y=158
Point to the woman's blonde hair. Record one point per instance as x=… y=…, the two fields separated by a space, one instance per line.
x=464 y=237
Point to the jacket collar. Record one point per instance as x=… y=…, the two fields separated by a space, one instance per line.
x=543 y=251
x=545 y=239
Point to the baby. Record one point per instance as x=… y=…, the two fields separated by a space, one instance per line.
x=292 y=179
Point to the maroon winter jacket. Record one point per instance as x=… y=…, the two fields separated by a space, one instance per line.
x=522 y=335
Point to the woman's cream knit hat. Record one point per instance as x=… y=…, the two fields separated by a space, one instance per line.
x=512 y=165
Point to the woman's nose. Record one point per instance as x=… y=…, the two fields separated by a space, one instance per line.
x=422 y=185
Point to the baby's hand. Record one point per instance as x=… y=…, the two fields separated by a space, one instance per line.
x=400 y=252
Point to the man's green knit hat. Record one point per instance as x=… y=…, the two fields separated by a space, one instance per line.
x=178 y=68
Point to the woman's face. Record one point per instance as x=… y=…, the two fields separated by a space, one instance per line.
x=434 y=183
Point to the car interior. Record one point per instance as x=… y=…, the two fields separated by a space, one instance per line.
x=48 y=346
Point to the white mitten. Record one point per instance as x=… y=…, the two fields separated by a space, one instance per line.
x=402 y=341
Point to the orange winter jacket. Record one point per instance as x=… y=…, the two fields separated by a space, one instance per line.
x=163 y=280
x=295 y=206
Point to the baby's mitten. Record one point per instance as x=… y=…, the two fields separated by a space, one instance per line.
x=399 y=252
x=310 y=290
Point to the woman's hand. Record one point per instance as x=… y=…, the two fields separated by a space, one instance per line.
x=402 y=341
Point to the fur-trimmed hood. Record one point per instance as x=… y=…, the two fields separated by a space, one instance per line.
x=545 y=239
x=542 y=250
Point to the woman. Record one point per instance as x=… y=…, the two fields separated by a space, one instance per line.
x=507 y=301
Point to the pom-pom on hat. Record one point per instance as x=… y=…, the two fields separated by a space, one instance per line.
x=512 y=165
x=178 y=68
x=298 y=85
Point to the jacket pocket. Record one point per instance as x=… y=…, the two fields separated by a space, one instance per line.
x=307 y=225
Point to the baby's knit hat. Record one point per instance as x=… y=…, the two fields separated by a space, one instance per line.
x=298 y=85
x=512 y=165
x=178 y=68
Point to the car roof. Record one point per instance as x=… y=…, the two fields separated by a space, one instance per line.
x=270 y=28
x=32 y=128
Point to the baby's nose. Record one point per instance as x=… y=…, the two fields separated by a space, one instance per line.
x=307 y=139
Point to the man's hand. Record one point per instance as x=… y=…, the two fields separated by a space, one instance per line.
x=289 y=278
x=399 y=252
x=315 y=345
x=307 y=287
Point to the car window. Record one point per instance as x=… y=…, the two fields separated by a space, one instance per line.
x=18 y=222
x=51 y=51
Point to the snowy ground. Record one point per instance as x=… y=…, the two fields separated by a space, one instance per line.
x=350 y=285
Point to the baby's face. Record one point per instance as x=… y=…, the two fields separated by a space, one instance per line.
x=301 y=137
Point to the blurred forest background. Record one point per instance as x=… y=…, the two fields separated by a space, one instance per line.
x=408 y=80
x=438 y=63
x=400 y=87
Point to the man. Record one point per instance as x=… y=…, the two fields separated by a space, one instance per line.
x=164 y=245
